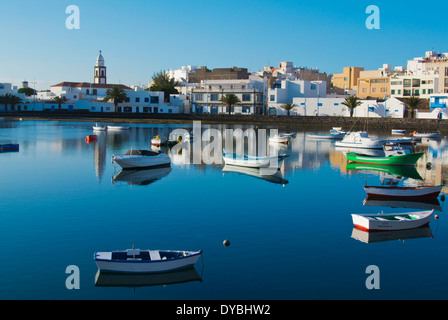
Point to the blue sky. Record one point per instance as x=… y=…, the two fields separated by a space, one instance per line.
x=141 y=37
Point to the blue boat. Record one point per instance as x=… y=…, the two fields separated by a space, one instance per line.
x=9 y=147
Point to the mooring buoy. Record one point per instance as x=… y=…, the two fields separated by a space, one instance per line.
x=226 y=243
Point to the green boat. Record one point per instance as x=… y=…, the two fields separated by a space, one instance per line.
x=395 y=155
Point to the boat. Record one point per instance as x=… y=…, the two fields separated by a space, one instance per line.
x=279 y=139
x=117 y=128
x=360 y=139
x=9 y=147
x=290 y=134
x=145 y=261
x=392 y=221
x=403 y=192
x=135 y=159
x=398 y=131
x=98 y=127
x=429 y=135
x=158 y=141
x=334 y=134
x=91 y=138
x=394 y=155
x=242 y=160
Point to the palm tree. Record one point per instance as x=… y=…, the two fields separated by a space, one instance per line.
x=117 y=94
x=14 y=100
x=230 y=100
x=161 y=81
x=6 y=99
x=60 y=101
x=412 y=103
x=352 y=102
x=288 y=106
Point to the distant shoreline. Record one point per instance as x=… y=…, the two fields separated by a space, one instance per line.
x=268 y=120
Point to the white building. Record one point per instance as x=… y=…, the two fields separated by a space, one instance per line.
x=207 y=97
x=181 y=75
x=438 y=108
x=333 y=107
x=423 y=85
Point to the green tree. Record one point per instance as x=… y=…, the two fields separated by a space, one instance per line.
x=161 y=81
x=5 y=100
x=230 y=100
x=117 y=94
x=413 y=103
x=27 y=91
x=14 y=100
x=59 y=101
x=352 y=102
x=288 y=106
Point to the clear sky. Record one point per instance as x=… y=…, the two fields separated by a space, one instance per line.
x=140 y=37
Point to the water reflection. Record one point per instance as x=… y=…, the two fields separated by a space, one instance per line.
x=425 y=204
x=109 y=279
x=382 y=236
x=257 y=173
x=141 y=177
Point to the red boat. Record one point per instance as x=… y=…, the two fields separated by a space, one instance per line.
x=91 y=138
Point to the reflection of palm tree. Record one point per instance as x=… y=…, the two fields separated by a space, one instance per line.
x=352 y=102
x=60 y=101
x=117 y=94
x=230 y=100
x=288 y=106
x=412 y=103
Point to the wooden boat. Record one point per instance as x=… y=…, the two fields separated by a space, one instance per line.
x=98 y=127
x=403 y=192
x=9 y=147
x=428 y=135
x=395 y=155
x=145 y=261
x=158 y=141
x=279 y=139
x=360 y=139
x=139 y=159
x=242 y=160
x=398 y=131
x=91 y=138
x=392 y=221
x=117 y=128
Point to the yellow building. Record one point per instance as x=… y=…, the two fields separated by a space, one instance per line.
x=373 y=84
x=348 y=79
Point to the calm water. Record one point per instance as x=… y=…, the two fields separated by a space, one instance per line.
x=291 y=235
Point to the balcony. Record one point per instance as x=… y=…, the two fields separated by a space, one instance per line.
x=438 y=105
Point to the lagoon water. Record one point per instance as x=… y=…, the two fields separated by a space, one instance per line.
x=291 y=235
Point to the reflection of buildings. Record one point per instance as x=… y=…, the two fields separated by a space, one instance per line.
x=436 y=154
x=100 y=155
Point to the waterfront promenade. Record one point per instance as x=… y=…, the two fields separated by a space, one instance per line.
x=305 y=121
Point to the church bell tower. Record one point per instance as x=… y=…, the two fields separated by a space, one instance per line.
x=100 y=70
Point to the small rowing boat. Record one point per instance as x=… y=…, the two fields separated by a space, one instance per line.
x=98 y=127
x=243 y=160
x=403 y=192
x=158 y=141
x=392 y=221
x=145 y=261
x=395 y=155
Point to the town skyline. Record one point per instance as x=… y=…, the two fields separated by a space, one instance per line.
x=160 y=36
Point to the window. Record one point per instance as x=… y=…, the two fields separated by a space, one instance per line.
x=396 y=83
x=336 y=104
x=373 y=90
x=156 y=99
x=246 y=97
x=87 y=91
x=407 y=93
x=407 y=83
x=95 y=92
x=272 y=98
x=415 y=83
x=392 y=91
x=430 y=91
x=214 y=97
x=446 y=82
x=416 y=92
x=199 y=97
x=137 y=99
x=146 y=100
x=446 y=72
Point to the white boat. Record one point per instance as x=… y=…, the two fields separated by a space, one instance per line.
x=117 y=128
x=242 y=160
x=403 y=192
x=398 y=131
x=392 y=221
x=158 y=141
x=279 y=139
x=98 y=127
x=334 y=134
x=360 y=139
x=426 y=135
x=145 y=261
x=135 y=159
x=291 y=134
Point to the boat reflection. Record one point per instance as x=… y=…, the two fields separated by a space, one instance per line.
x=427 y=204
x=277 y=177
x=382 y=236
x=400 y=171
x=110 y=279
x=141 y=177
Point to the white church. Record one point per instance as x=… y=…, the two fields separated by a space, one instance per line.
x=87 y=96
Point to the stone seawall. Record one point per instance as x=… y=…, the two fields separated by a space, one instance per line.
x=296 y=121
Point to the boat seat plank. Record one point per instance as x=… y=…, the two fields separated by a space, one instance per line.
x=155 y=255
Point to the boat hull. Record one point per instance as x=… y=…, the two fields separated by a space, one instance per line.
x=146 y=266
x=403 y=192
x=400 y=160
x=117 y=128
x=142 y=162
x=381 y=222
x=326 y=136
